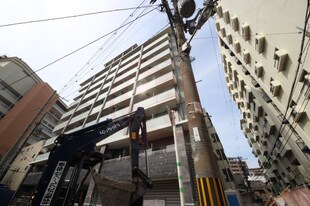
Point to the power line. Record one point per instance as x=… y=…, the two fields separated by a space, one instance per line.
x=73 y=16
x=80 y=48
x=307 y=16
x=95 y=58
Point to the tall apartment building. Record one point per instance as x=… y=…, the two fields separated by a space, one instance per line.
x=260 y=43
x=238 y=166
x=142 y=76
x=29 y=111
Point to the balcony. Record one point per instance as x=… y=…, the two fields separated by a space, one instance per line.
x=122 y=86
x=126 y=74
x=157 y=59
x=50 y=142
x=159 y=69
x=156 y=49
x=79 y=117
x=128 y=66
x=153 y=43
x=153 y=103
x=83 y=106
x=119 y=99
x=96 y=109
x=102 y=96
x=158 y=84
x=159 y=123
x=115 y=114
x=95 y=85
x=59 y=127
x=129 y=58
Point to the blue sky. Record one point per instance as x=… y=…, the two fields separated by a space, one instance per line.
x=39 y=44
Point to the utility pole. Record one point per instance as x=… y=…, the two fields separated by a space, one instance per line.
x=209 y=186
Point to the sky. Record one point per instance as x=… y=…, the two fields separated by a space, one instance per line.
x=40 y=44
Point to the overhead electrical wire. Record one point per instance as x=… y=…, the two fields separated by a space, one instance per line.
x=97 y=60
x=307 y=16
x=80 y=48
x=228 y=106
x=92 y=61
x=74 y=16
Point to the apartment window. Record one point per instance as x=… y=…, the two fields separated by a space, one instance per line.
x=7 y=107
x=9 y=90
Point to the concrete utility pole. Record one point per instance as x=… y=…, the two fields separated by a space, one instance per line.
x=209 y=186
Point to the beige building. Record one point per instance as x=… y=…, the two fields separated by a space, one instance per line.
x=29 y=111
x=260 y=44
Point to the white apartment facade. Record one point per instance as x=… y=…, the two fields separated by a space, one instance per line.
x=142 y=76
x=260 y=43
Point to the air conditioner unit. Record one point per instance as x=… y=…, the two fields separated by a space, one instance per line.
x=229 y=38
x=245 y=31
x=226 y=17
x=245 y=71
x=258 y=69
x=267 y=98
x=246 y=57
x=219 y=11
x=260 y=43
x=217 y=26
x=223 y=32
x=280 y=59
x=297 y=113
x=255 y=83
x=237 y=47
x=275 y=87
x=235 y=23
